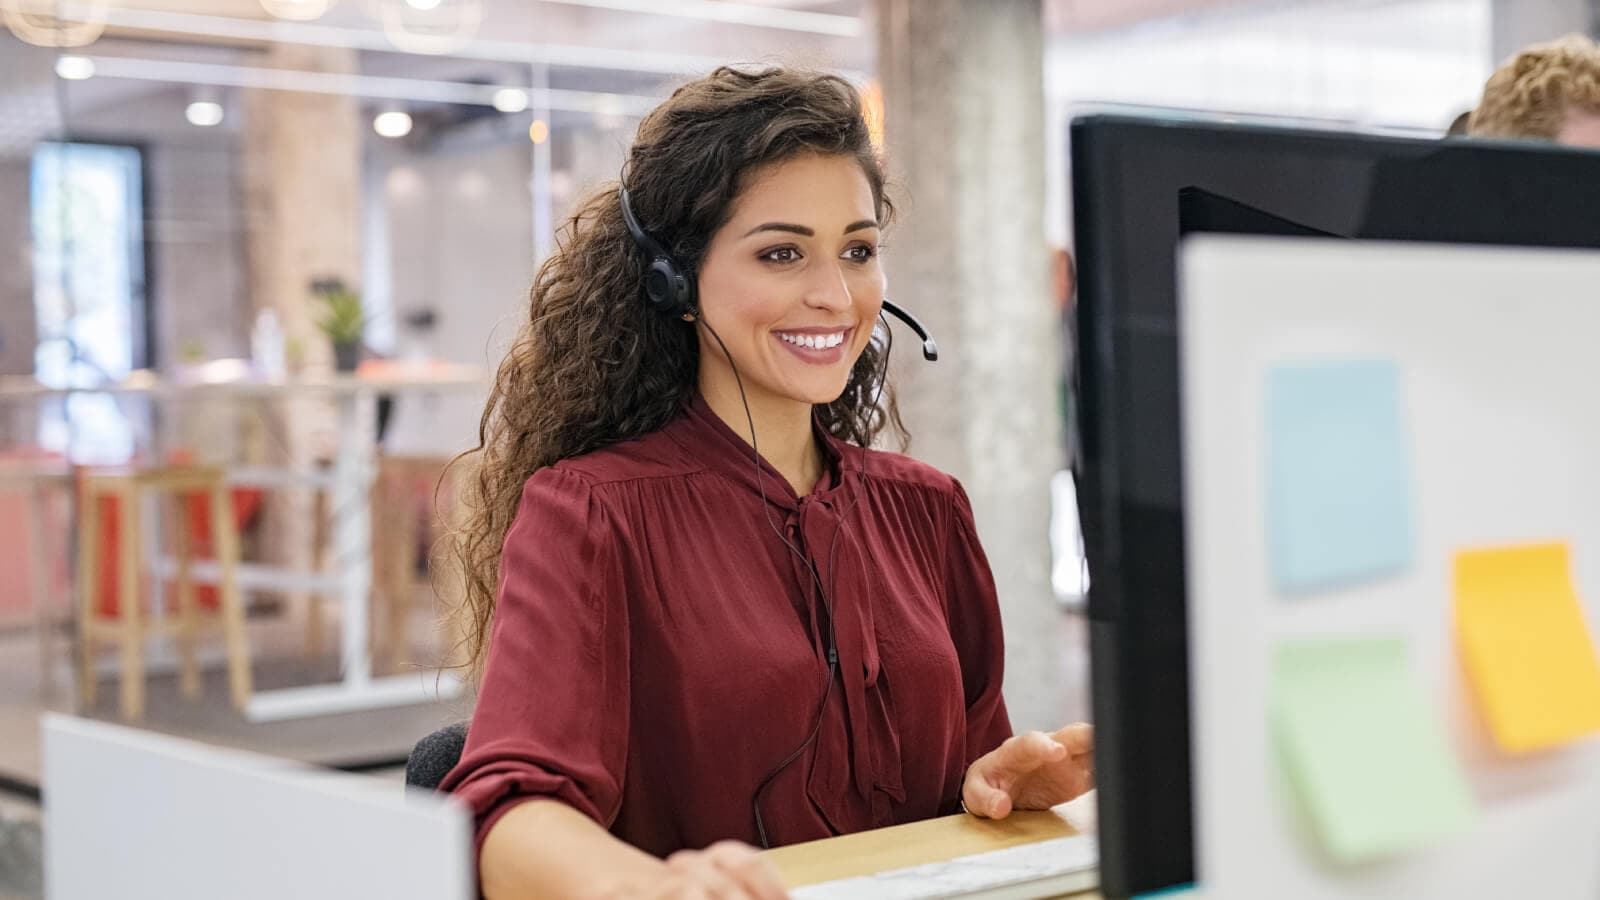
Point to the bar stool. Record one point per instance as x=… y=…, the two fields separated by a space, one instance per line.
x=124 y=623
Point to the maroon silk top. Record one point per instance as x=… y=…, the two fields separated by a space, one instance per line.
x=656 y=649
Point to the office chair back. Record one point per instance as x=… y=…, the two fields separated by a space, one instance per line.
x=435 y=755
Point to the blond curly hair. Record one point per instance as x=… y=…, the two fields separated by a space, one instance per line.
x=1530 y=95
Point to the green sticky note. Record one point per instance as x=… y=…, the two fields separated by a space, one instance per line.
x=1364 y=749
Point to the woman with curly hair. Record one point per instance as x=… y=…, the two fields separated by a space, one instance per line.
x=703 y=612
x=1548 y=91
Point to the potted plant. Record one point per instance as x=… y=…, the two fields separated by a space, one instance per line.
x=343 y=321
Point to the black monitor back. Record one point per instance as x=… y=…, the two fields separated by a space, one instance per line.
x=1139 y=184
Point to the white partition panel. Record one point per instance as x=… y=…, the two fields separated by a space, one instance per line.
x=1498 y=353
x=134 y=814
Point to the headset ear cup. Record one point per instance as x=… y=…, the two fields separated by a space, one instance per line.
x=661 y=285
x=668 y=291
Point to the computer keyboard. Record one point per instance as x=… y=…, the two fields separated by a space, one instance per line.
x=1041 y=869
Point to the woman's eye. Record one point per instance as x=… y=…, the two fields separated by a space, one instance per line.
x=861 y=253
x=781 y=255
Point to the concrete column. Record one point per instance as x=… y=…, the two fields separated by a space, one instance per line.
x=302 y=186
x=963 y=88
x=1518 y=23
x=302 y=160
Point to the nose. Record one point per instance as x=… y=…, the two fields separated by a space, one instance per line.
x=829 y=289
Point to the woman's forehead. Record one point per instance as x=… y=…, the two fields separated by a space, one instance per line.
x=806 y=190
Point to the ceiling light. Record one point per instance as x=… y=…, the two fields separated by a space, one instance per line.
x=607 y=111
x=442 y=29
x=55 y=28
x=75 y=68
x=510 y=100
x=736 y=13
x=297 y=10
x=539 y=131
x=392 y=124
x=423 y=5
x=203 y=113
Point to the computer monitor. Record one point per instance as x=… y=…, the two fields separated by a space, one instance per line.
x=1139 y=184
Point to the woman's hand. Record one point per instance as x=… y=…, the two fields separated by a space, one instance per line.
x=1031 y=771
x=727 y=870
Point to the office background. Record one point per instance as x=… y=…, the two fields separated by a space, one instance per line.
x=192 y=191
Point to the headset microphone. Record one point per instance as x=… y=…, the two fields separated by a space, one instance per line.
x=930 y=350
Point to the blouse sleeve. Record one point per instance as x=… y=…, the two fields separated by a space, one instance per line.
x=552 y=711
x=973 y=610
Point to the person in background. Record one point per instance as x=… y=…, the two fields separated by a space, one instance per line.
x=1546 y=92
x=707 y=614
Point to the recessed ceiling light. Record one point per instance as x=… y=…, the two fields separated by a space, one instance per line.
x=75 y=68
x=510 y=100
x=203 y=113
x=392 y=124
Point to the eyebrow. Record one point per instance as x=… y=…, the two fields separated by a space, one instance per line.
x=808 y=232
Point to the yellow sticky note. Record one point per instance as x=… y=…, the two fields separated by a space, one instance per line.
x=1526 y=647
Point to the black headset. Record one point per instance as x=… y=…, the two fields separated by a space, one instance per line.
x=669 y=288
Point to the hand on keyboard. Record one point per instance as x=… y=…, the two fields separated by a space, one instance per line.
x=727 y=870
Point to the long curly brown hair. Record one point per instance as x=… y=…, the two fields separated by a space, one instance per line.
x=594 y=365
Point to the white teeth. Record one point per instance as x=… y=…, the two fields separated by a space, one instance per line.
x=815 y=342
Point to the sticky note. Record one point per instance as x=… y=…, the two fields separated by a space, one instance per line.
x=1364 y=749
x=1525 y=646
x=1337 y=480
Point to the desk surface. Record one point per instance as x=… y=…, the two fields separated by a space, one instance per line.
x=914 y=844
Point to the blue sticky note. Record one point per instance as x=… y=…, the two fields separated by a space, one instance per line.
x=1338 y=488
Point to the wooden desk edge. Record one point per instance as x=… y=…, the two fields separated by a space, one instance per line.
x=867 y=852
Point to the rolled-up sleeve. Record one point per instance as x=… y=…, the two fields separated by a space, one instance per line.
x=552 y=712
x=973 y=610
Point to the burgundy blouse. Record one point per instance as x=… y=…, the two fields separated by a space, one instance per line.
x=657 y=650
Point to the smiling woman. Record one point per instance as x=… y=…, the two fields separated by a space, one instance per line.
x=706 y=614
x=791 y=286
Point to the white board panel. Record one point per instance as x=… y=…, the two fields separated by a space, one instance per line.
x=1499 y=357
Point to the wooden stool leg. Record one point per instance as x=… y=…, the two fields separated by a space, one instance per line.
x=225 y=540
x=319 y=555
x=405 y=577
x=88 y=588
x=131 y=626
x=183 y=549
x=401 y=557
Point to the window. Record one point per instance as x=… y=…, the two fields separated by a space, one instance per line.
x=88 y=262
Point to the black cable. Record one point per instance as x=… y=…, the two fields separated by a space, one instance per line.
x=823 y=594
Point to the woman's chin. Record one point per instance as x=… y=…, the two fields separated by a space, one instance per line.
x=815 y=394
